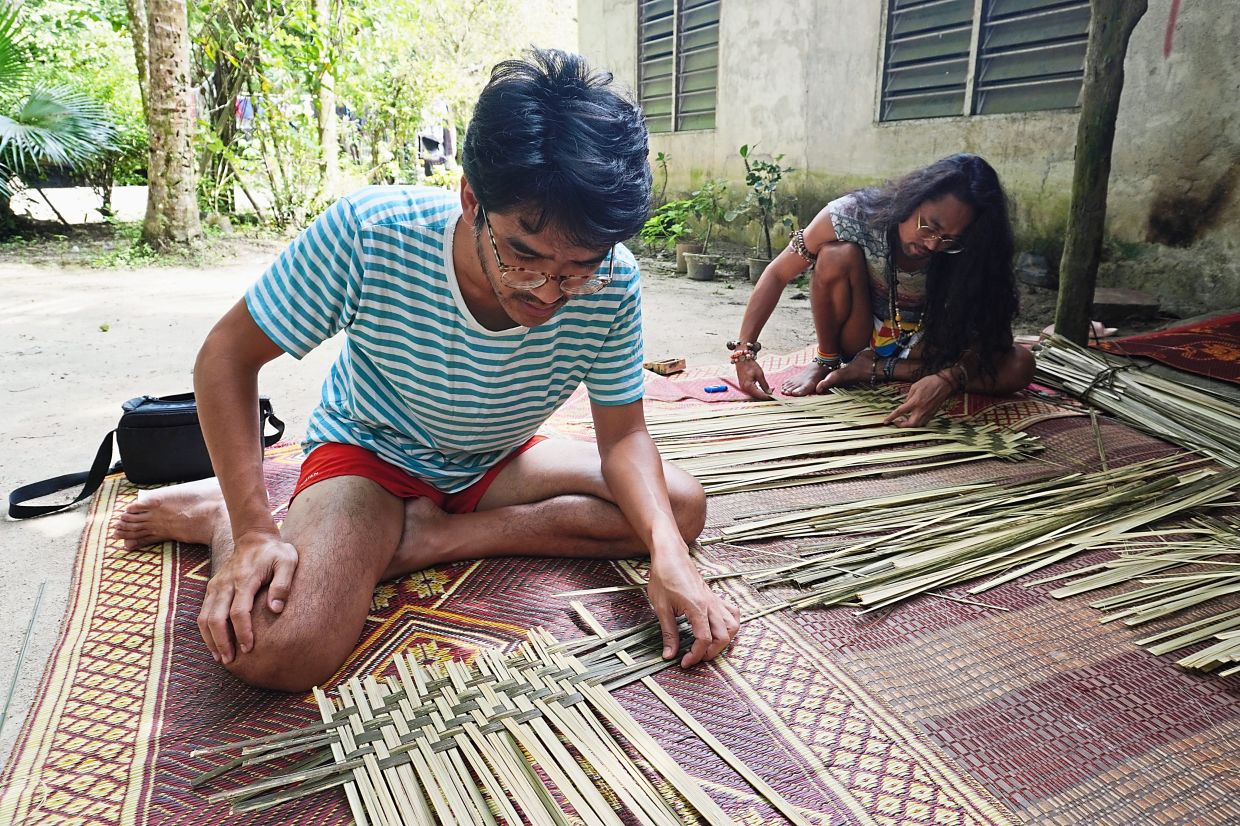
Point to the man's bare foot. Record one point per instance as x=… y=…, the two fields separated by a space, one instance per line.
x=854 y=372
x=805 y=382
x=425 y=540
x=183 y=513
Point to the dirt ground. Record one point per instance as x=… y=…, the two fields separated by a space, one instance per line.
x=78 y=339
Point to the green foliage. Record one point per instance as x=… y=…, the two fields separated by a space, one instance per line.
x=710 y=208
x=762 y=178
x=390 y=62
x=675 y=220
x=660 y=161
x=669 y=223
x=443 y=178
x=394 y=64
x=43 y=126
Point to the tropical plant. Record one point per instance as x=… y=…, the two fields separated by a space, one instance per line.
x=709 y=208
x=669 y=223
x=660 y=161
x=42 y=127
x=762 y=178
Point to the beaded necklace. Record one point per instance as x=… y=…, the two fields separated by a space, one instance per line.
x=902 y=336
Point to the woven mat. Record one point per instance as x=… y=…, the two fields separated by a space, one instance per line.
x=934 y=713
x=1210 y=348
x=1017 y=412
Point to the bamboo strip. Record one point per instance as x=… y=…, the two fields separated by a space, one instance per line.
x=764 y=789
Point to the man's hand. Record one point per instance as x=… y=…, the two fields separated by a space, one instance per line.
x=258 y=559
x=677 y=588
x=925 y=397
x=752 y=380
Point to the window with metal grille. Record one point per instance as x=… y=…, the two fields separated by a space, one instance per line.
x=962 y=57
x=678 y=63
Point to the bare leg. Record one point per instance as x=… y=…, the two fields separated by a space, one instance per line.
x=840 y=299
x=345 y=530
x=182 y=513
x=549 y=501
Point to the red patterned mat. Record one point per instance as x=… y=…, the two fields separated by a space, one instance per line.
x=1009 y=411
x=1211 y=348
x=934 y=713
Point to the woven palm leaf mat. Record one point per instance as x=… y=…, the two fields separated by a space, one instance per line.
x=932 y=713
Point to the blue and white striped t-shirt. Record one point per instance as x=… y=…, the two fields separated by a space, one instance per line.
x=419 y=381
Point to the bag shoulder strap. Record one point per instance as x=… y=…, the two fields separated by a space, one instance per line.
x=267 y=414
x=90 y=481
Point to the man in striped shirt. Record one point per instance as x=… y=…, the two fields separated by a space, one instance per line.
x=468 y=320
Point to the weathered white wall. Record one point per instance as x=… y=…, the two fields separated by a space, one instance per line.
x=801 y=77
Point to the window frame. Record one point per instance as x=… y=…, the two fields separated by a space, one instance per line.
x=974 y=89
x=672 y=120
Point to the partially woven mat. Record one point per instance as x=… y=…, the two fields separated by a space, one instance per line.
x=1209 y=348
x=933 y=713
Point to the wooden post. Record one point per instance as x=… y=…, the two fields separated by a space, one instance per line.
x=1110 y=26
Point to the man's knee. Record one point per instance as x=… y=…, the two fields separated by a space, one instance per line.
x=292 y=663
x=1020 y=371
x=688 y=501
x=838 y=264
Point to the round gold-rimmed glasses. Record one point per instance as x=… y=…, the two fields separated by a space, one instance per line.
x=520 y=278
x=947 y=245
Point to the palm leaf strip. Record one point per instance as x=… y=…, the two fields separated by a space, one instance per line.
x=1187 y=415
x=764 y=445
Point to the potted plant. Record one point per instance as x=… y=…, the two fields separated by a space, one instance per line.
x=762 y=178
x=710 y=210
x=669 y=227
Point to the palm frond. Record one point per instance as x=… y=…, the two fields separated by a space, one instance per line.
x=13 y=65
x=54 y=127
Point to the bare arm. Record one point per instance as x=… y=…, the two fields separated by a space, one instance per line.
x=226 y=389
x=634 y=475
x=766 y=293
x=1013 y=373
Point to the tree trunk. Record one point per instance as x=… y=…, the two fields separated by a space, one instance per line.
x=215 y=166
x=1110 y=27
x=138 y=30
x=172 y=205
x=329 y=161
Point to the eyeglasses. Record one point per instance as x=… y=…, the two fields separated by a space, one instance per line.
x=951 y=246
x=519 y=278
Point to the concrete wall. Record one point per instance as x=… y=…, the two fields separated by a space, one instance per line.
x=802 y=77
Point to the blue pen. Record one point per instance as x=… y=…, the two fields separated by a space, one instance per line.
x=716 y=388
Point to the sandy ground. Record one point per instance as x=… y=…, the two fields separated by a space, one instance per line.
x=76 y=342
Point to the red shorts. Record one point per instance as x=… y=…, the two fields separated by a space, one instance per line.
x=332 y=459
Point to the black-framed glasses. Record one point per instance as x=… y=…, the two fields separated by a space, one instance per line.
x=520 y=278
x=951 y=246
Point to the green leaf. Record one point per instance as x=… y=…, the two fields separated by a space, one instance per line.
x=55 y=126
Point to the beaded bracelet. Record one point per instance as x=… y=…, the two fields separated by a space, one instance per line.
x=890 y=368
x=829 y=360
x=741 y=355
x=754 y=346
x=796 y=243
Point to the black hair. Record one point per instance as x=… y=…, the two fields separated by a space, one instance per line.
x=555 y=139
x=971 y=297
